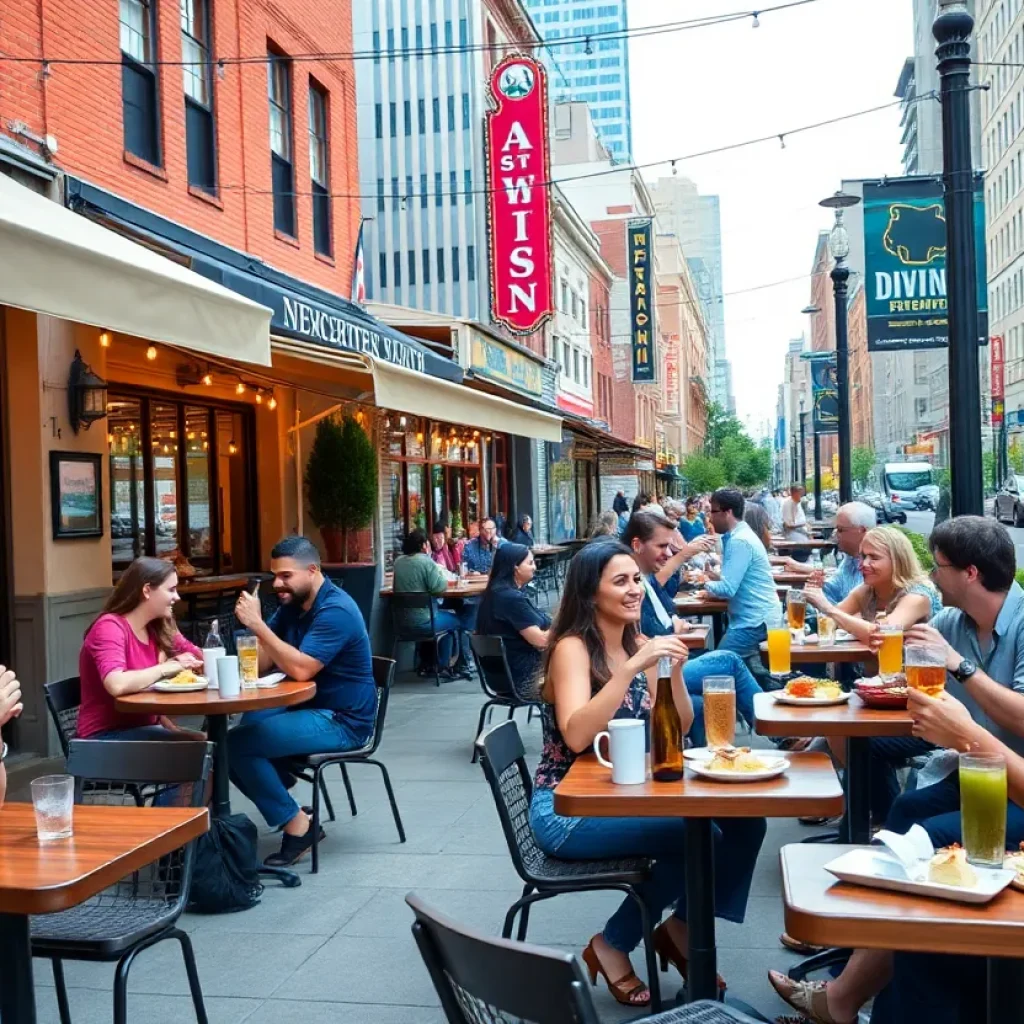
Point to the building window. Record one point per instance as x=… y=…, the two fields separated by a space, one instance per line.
x=319 y=170
x=455 y=264
x=463 y=31
x=139 y=94
x=397 y=276
x=426 y=266
x=438 y=196
x=586 y=371
x=465 y=110
x=566 y=357
x=453 y=181
x=395 y=198
x=423 y=191
x=421 y=116
x=200 y=142
x=412 y=266
x=563 y=305
x=435 y=109
x=382 y=268
x=378 y=121
x=407 y=118
x=279 y=76
x=440 y=266
x=393 y=120
x=471 y=262
x=576 y=365
x=468 y=179
x=380 y=195
x=451 y=113
x=376 y=47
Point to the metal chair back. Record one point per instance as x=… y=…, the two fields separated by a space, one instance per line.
x=401 y=603
x=503 y=760
x=383 y=676
x=492 y=666
x=483 y=980
x=64 y=700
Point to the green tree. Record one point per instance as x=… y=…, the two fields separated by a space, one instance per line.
x=1015 y=456
x=721 y=425
x=703 y=472
x=861 y=462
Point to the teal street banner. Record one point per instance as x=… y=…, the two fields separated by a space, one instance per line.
x=905 y=264
x=825 y=393
x=642 y=293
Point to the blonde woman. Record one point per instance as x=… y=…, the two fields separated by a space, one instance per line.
x=895 y=587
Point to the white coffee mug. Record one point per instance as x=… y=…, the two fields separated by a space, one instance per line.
x=211 y=655
x=228 y=680
x=627 y=746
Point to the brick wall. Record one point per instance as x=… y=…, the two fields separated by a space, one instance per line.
x=599 y=301
x=81 y=106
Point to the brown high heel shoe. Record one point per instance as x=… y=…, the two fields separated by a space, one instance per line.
x=667 y=950
x=629 y=990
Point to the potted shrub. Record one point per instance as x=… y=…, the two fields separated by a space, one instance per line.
x=341 y=483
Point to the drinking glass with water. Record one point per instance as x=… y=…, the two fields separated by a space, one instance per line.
x=53 y=800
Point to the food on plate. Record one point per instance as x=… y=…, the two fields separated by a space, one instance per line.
x=897 y=685
x=810 y=688
x=1015 y=862
x=186 y=677
x=737 y=759
x=949 y=867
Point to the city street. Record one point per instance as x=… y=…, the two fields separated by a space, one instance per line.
x=922 y=522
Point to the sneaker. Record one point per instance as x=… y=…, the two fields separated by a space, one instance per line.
x=293 y=849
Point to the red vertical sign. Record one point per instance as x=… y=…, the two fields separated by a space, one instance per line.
x=518 y=204
x=998 y=383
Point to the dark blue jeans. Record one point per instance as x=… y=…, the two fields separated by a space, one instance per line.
x=932 y=987
x=888 y=753
x=737 y=843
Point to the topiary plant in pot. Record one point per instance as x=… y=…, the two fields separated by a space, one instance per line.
x=341 y=483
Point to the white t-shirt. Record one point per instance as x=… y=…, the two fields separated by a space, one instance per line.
x=793 y=514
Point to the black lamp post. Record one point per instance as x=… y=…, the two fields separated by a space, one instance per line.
x=803 y=445
x=952 y=30
x=839 y=243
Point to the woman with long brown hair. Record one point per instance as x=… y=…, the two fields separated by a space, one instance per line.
x=599 y=668
x=133 y=644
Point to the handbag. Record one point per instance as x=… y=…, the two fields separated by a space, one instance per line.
x=225 y=876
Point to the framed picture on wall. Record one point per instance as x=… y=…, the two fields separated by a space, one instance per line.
x=76 y=494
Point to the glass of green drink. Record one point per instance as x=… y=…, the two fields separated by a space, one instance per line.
x=983 y=804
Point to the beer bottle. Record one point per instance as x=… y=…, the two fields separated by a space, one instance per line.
x=666 y=730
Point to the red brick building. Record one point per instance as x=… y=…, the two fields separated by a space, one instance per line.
x=601 y=346
x=193 y=141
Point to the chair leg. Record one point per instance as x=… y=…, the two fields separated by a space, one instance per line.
x=529 y=714
x=121 y=985
x=511 y=712
x=327 y=798
x=63 y=1008
x=653 y=981
x=348 y=789
x=193 y=975
x=391 y=798
x=318 y=787
x=480 y=728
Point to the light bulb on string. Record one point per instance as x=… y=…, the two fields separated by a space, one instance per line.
x=105 y=339
x=240 y=388
x=232 y=448
x=151 y=353
x=259 y=397
x=272 y=404
x=207 y=379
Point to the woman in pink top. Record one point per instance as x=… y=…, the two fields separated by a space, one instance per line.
x=132 y=645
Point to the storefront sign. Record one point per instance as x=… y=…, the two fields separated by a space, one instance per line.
x=905 y=264
x=672 y=392
x=998 y=367
x=825 y=394
x=998 y=411
x=501 y=363
x=518 y=201
x=641 y=300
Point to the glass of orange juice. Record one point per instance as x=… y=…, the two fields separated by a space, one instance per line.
x=779 y=650
x=890 y=654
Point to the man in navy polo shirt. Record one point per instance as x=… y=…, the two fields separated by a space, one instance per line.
x=316 y=634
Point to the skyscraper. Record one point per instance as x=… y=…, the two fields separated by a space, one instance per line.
x=595 y=68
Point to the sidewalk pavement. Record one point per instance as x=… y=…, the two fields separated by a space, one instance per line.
x=339 y=950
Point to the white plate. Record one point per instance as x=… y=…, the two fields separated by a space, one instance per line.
x=166 y=686
x=698 y=753
x=873 y=867
x=777 y=767
x=842 y=637
x=783 y=698
x=265 y=682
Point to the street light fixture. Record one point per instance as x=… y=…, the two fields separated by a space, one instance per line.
x=839 y=244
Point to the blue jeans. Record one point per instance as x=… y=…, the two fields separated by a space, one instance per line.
x=265 y=736
x=718 y=663
x=887 y=754
x=737 y=842
x=744 y=640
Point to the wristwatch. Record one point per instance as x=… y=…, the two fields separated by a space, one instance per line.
x=3 y=751
x=964 y=670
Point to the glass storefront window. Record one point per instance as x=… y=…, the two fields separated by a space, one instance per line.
x=197 y=473
x=127 y=483
x=165 y=477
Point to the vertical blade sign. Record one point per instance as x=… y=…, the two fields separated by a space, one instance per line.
x=639 y=235
x=518 y=202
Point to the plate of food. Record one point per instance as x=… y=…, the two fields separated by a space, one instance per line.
x=1015 y=863
x=739 y=764
x=885 y=695
x=184 y=682
x=807 y=690
x=703 y=754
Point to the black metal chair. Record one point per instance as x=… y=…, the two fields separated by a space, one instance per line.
x=504 y=763
x=481 y=980
x=311 y=767
x=546 y=578
x=143 y=908
x=64 y=698
x=403 y=633
x=496 y=681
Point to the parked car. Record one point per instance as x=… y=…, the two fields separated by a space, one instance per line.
x=1010 y=500
x=885 y=511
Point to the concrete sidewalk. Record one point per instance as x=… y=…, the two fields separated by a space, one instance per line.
x=339 y=950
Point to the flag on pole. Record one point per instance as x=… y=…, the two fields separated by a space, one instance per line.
x=358 y=292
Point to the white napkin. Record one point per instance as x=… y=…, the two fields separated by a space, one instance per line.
x=940 y=763
x=910 y=850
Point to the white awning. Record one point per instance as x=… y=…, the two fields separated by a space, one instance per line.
x=56 y=262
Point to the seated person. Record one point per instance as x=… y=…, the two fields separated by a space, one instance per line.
x=316 y=634
x=649 y=537
x=605 y=525
x=479 y=552
x=757 y=519
x=133 y=644
x=523 y=532
x=853 y=520
x=443 y=550
x=506 y=611
x=745 y=580
x=417 y=573
x=691 y=526
x=10 y=707
x=599 y=669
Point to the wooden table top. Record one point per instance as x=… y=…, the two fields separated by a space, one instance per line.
x=789 y=579
x=108 y=843
x=782 y=544
x=809 y=787
x=826 y=912
x=210 y=702
x=688 y=606
x=854 y=718
x=476 y=584
x=548 y=549
x=215 y=584
x=848 y=652
x=696 y=638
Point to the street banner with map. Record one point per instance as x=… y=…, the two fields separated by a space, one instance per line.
x=905 y=264
x=824 y=392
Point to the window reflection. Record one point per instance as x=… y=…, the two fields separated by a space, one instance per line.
x=197 y=476
x=165 y=477
x=127 y=497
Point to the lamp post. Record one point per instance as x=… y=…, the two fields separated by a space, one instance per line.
x=952 y=30
x=803 y=445
x=839 y=243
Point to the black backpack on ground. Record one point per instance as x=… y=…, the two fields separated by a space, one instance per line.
x=225 y=877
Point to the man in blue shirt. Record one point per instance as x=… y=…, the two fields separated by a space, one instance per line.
x=745 y=581
x=316 y=634
x=478 y=554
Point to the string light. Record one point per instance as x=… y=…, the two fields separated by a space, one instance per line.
x=151 y=353
x=207 y=379
x=232 y=448
x=272 y=404
x=259 y=397
x=240 y=388
x=105 y=339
